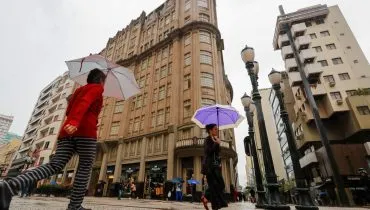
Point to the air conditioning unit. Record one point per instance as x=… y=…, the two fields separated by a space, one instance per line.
x=331 y=84
x=339 y=101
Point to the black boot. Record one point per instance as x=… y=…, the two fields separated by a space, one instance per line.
x=6 y=194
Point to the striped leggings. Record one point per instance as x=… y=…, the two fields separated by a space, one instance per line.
x=84 y=147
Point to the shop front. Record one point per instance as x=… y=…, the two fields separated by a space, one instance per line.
x=110 y=188
x=155 y=178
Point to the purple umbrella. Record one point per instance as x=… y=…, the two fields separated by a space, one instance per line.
x=223 y=116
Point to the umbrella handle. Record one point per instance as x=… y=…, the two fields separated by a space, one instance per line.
x=218 y=123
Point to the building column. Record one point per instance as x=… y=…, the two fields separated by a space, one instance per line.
x=197 y=171
x=232 y=171
x=64 y=176
x=76 y=161
x=224 y=172
x=118 y=167
x=171 y=156
x=103 y=168
x=142 y=160
x=178 y=167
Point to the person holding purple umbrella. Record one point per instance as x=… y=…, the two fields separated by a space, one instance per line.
x=212 y=168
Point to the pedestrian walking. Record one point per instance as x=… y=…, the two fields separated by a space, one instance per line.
x=133 y=190
x=215 y=181
x=120 y=190
x=253 y=195
x=78 y=135
x=178 y=192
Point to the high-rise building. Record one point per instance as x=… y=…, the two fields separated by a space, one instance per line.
x=44 y=124
x=175 y=52
x=5 y=123
x=272 y=134
x=339 y=74
x=10 y=136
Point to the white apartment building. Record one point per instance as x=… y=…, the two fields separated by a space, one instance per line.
x=5 y=123
x=45 y=122
x=339 y=74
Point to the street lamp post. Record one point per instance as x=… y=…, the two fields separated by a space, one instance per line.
x=304 y=199
x=315 y=112
x=273 y=195
x=249 y=109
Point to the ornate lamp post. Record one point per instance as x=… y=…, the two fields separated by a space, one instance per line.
x=273 y=195
x=304 y=198
x=249 y=108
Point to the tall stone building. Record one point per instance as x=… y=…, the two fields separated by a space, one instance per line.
x=5 y=123
x=339 y=74
x=175 y=52
x=42 y=130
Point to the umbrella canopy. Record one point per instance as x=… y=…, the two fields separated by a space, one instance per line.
x=223 y=116
x=193 y=181
x=120 y=82
x=177 y=180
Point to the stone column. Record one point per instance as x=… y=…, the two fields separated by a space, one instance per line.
x=103 y=168
x=118 y=167
x=197 y=171
x=171 y=156
x=142 y=160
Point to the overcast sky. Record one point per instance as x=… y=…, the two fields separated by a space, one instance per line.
x=36 y=37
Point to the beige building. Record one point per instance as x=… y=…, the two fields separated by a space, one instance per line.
x=175 y=52
x=5 y=123
x=7 y=151
x=339 y=74
x=272 y=137
x=44 y=125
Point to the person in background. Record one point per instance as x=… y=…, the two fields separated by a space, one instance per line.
x=120 y=190
x=215 y=180
x=205 y=193
x=133 y=190
x=253 y=195
x=77 y=135
x=178 y=192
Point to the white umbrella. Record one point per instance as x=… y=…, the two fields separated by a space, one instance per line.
x=120 y=82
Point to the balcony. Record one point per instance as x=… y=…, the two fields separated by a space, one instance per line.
x=283 y=40
x=299 y=29
x=308 y=159
x=190 y=147
x=294 y=79
x=313 y=72
x=24 y=149
x=318 y=90
x=302 y=42
x=307 y=56
x=291 y=64
x=287 y=52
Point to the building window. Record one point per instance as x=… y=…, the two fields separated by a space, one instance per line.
x=204 y=17
x=342 y=34
x=206 y=80
x=142 y=122
x=308 y=23
x=348 y=47
x=319 y=21
x=169 y=69
x=168 y=91
x=187 y=59
x=114 y=128
x=142 y=82
x=155 y=94
x=163 y=72
x=329 y=78
x=41 y=160
x=331 y=46
x=168 y=19
x=187 y=39
x=208 y=102
x=187 y=19
x=56 y=118
x=318 y=49
x=153 y=119
x=344 y=76
x=205 y=37
x=51 y=131
x=164 y=52
x=139 y=101
x=203 y=3
x=313 y=36
x=160 y=117
x=337 y=61
x=187 y=108
x=47 y=145
x=119 y=107
x=323 y=63
x=145 y=100
x=167 y=115
x=137 y=124
x=324 y=33
x=351 y=92
x=205 y=57
x=355 y=61
x=162 y=92
x=187 y=4
x=187 y=83
x=363 y=110
x=336 y=95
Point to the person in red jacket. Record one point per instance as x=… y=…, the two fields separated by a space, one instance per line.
x=77 y=135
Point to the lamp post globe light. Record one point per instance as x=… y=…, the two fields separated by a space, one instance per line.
x=273 y=195
x=249 y=109
x=304 y=198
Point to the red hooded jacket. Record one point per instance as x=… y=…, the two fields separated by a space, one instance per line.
x=83 y=111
